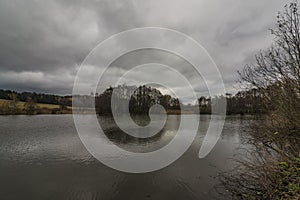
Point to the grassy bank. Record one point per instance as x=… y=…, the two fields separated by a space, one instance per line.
x=9 y=107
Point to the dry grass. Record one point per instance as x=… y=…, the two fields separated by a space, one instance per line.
x=20 y=105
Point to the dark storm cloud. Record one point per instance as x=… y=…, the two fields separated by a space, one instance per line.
x=43 y=42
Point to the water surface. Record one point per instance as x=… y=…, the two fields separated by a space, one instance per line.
x=42 y=157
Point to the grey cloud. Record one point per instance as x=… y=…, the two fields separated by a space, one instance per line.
x=43 y=42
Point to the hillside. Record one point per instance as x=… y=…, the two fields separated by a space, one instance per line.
x=21 y=107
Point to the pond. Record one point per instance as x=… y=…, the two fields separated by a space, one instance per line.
x=42 y=157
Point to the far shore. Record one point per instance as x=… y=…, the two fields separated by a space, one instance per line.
x=8 y=107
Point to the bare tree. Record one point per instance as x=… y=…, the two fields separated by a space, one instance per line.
x=13 y=103
x=272 y=170
x=30 y=106
x=276 y=75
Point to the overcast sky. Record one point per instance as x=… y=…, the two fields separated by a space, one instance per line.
x=42 y=43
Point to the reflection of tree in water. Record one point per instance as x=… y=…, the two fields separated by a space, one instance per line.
x=134 y=144
x=140 y=100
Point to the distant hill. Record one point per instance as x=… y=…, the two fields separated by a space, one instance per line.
x=12 y=102
x=36 y=97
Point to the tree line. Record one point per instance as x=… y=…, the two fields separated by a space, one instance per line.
x=36 y=97
x=13 y=102
x=140 y=98
x=248 y=102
